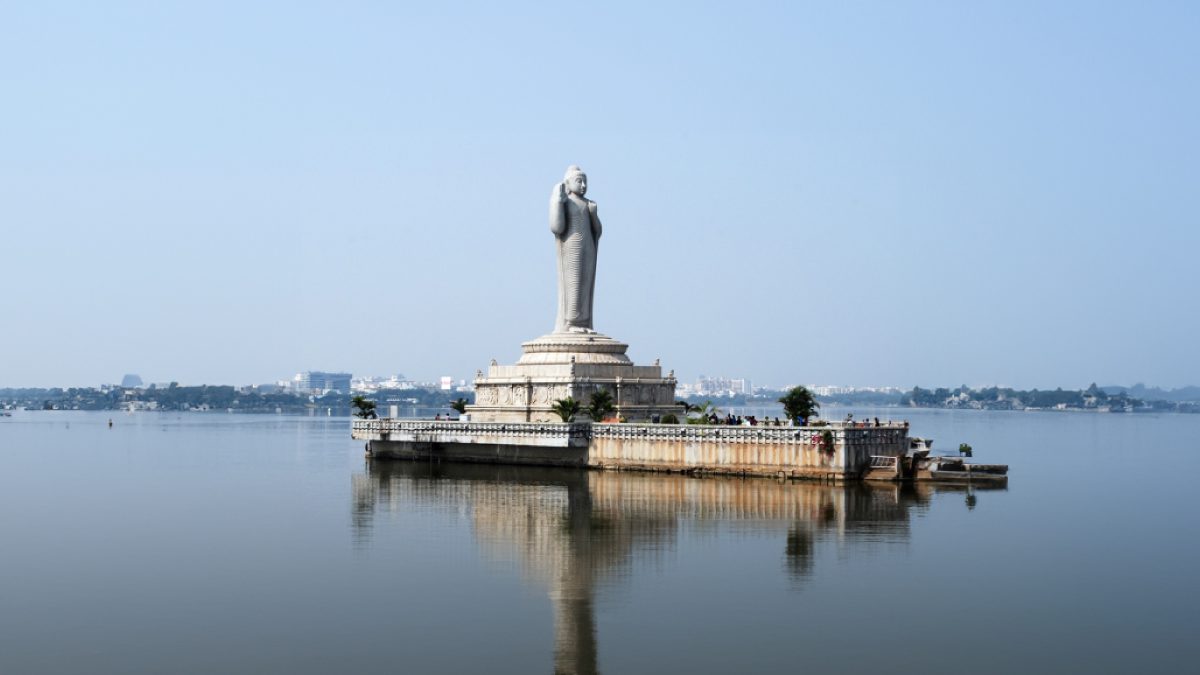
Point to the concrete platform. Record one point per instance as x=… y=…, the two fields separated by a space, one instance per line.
x=787 y=452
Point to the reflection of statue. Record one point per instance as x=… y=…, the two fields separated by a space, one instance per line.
x=573 y=529
x=575 y=225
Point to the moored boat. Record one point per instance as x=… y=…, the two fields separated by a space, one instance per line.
x=956 y=470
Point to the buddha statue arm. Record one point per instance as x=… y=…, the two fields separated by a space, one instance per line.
x=597 y=228
x=558 y=219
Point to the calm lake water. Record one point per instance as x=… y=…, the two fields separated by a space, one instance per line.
x=202 y=543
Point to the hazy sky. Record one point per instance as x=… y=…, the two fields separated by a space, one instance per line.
x=883 y=193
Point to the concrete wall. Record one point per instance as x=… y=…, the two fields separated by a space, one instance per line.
x=760 y=450
x=482 y=453
x=485 y=442
x=798 y=452
x=548 y=434
x=859 y=443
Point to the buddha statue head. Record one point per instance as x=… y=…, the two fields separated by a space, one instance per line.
x=575 y=180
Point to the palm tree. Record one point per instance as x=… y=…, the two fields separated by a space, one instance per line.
x=799 y=404
x=566 y=408
x=601 y=405
x=459 y=405
x=699 y=414
x=364 y=409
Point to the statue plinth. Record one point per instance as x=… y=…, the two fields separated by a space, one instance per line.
x=560 y=348
x=577 y=365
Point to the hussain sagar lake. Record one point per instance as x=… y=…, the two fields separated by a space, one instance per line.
x=209 y=542
x=212 y=542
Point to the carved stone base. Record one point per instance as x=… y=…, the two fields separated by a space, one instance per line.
x=559 y=365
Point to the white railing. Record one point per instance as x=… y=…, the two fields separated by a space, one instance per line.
x=842 y=434
x=387 y=426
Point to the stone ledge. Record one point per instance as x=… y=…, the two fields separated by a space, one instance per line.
x=565 y=348
x=789 y=452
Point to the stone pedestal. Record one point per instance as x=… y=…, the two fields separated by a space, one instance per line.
x=559 y=365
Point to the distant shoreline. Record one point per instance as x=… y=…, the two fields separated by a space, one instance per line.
x=225 y=398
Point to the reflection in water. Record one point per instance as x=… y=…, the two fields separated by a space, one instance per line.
x=572 y=529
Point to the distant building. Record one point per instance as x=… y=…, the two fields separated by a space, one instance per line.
x=317 y=382
x=721 y=386
x=835 y=390
x=131 y=381
x=446 y=383
x=370 y=384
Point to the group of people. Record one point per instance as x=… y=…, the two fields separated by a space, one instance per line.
x=752 y=421
x=869 y=422
x=747 y=421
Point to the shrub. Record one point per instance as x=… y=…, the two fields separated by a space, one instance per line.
x=566 y=408
x=600 y=406
x=799 y=403
x=363 y=409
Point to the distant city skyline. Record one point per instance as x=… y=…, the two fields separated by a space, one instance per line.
x=896 y=193
x=699 y=385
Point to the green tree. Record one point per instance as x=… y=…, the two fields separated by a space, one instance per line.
x=964 y=449
x=363 y=408
x=566 y=408
x=699 y=414
x=459 y=405
x=799 y=403
x=600 y=405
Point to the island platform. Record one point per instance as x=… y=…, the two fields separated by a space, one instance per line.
x=514 y=417
x=836 y=452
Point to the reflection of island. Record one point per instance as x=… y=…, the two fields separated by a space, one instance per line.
x=572 y=529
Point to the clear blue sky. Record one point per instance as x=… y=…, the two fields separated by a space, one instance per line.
x=856 y=193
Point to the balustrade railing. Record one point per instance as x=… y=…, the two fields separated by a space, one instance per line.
x=396 y=425
x=844 y=434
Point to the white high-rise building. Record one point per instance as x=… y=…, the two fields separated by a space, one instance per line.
x=316 y=382
x=721 y=386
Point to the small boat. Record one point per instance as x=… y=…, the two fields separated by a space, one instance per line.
x=957 y=470
x=917 y=464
